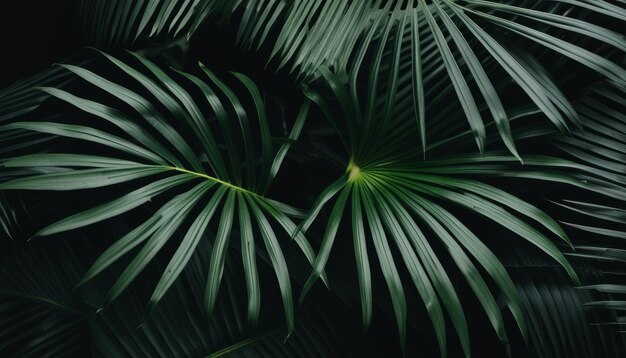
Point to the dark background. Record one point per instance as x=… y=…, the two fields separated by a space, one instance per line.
x=34 y=35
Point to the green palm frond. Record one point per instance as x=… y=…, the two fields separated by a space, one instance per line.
x=123 y=23
x=199 y=178
x=413 y=43
x=549 y=299
x=396 y=200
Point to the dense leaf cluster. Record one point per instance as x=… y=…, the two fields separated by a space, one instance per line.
x=153 y=204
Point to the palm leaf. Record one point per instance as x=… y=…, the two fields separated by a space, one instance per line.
x=142 y=156
x=412 y=43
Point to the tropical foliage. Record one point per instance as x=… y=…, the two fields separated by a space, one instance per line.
x=451 y=171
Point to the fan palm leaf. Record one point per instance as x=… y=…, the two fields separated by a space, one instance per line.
x=393 y=199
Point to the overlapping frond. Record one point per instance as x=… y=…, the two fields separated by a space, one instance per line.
x=409 y=45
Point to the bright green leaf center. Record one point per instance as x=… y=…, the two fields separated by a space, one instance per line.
x=354 y=171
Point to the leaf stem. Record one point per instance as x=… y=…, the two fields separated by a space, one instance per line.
x=213 y=179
